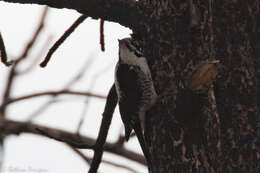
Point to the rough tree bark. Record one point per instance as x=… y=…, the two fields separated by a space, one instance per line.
x=223 y=134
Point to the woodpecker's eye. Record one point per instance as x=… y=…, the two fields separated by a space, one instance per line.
x=138 y=54
x=130 y=47
x=133 y=49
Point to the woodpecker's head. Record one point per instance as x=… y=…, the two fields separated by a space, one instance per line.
x=128 y=53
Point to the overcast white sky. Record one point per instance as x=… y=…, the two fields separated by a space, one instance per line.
x=27 y=152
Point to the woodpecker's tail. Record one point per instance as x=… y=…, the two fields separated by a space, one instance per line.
x=128 y=131
x=139 y=133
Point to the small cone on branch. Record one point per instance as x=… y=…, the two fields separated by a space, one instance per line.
x=203 y=76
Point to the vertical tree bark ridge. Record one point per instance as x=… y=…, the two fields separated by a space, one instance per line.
x=237 y=44
x=173 y=48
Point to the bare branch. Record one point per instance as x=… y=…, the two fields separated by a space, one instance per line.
x=88 y=160
x=38 y=56
x=120 y=140
x=85 y=158
x=10 y=127
x=102 y=38
x=3 y=52
x=82 y=116
x=42 y=108
x=69 y=84
x=92 y=84
x=12 y=73
x=122 y=11
x=106 y=120
x=49 y=93
x=7 y=90
x=54 y=93
x=62 y=39
x=119 y=166
x=36 y=34
x=80 y=74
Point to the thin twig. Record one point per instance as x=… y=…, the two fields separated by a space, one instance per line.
x=88 y=160
x=69 y=84
x=36 y=34
x=41 y=109
x=55 y=93
x=8 y=88
x=92 y=84
x=85 y=158
x=50 y=93
x=119 y=166
x=102 y=38
x=62 y=39
x=81 y=73
x=120 y=140
x=103 y=131
x=12 y=73
x=82 y=116
x=38 y=56
x=3 y=54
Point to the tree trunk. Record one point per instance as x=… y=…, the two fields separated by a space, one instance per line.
x=185 y=133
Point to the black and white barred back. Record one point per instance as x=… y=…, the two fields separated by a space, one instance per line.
x=134 y=85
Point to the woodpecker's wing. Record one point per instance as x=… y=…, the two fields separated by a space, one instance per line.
x=128 y=85
x=130 y=93
x=131 y=82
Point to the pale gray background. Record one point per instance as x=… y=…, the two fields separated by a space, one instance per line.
x=27 y=152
